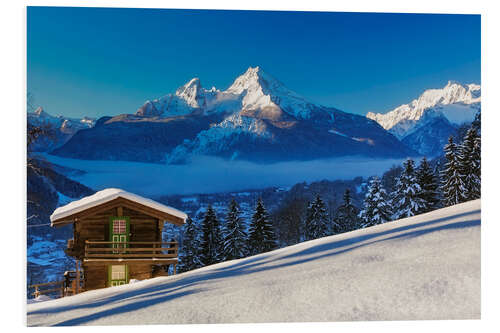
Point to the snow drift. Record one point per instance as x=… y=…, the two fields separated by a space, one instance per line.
x=423 y=267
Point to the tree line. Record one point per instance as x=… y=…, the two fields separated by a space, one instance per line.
x=413 y=190
x=213 y=242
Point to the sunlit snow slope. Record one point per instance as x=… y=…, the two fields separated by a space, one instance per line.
x=424 y=267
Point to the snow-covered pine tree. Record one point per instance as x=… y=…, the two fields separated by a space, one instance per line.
x=346 y=218
x=190 y=255
x=476 y=153
x=469 y=167
x=211 y=239
x=316 y=223
x=429 y=186
x=406 y=199
x=376 y=207
x=235 y=237
x=452 y=183
x=262 y=237
x=477 y=122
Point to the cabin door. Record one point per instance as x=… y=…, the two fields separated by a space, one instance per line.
x=119 y=230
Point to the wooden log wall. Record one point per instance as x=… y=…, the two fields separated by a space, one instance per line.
x=96 y=276
x=143 y=228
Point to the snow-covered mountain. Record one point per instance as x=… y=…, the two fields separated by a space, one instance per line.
x=426 y=267
x=257 y=118
x=61 y=128
x=426 y=122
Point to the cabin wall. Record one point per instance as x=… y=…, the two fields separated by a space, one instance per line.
x=96 y=275
x=143 y=228
x=140 y=271
x=94 y=228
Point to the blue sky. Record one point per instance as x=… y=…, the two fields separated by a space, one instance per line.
x=107 y=61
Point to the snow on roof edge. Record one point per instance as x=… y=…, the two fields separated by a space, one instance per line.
x=106 y=195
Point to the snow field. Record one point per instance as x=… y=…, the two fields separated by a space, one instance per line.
x=422 y=267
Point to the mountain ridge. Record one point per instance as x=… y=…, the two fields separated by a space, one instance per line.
x=442 y=110
x=256 y=118
x=61 y=128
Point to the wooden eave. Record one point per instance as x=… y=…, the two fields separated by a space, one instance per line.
x=118 y=202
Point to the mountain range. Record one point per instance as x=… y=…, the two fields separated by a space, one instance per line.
x=257 y=118
x=426 y=123
x=61 y=128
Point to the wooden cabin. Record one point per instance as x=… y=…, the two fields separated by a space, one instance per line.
x=117 y=236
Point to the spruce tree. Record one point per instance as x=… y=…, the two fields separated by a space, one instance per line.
x=316 y=223
x=346 y=218
x=262 y=237
x=429 y=186
x=469 y=165
x=211 y=241
x=376 y=207
x=235 y=236
x=452 y=179
x=477 y=122
x=476 y=155
x=190 y=256
x=406 y=199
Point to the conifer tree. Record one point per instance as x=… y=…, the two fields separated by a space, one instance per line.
x=429 y=186
x=211 y=241
x=262 y=237
x=477 y=122
x=316 y=223
x=235 y=236
x=469 y=165
x=406 y=199
x=476 y=155
x=346 y=218
x=452 y=180
x=376 y=207
x=190 y=256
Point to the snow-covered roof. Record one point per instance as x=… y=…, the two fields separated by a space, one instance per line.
x=107 y=195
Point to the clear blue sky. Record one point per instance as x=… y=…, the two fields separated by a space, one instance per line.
x=105 y=61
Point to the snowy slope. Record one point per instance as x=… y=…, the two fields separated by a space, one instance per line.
x=424 y=267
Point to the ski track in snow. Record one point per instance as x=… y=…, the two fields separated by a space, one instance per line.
x=423 y=267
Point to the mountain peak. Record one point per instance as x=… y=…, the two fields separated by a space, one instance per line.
x=39 y=111
x=252 y=79
x=190 y=92
x=453 y=83
x=455 y=101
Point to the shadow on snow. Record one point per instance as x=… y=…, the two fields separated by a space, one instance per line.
x=170 y=290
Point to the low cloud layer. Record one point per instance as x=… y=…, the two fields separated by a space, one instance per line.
x=211 y=174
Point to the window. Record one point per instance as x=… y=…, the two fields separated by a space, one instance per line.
x=118 y=272
x=119 y=226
